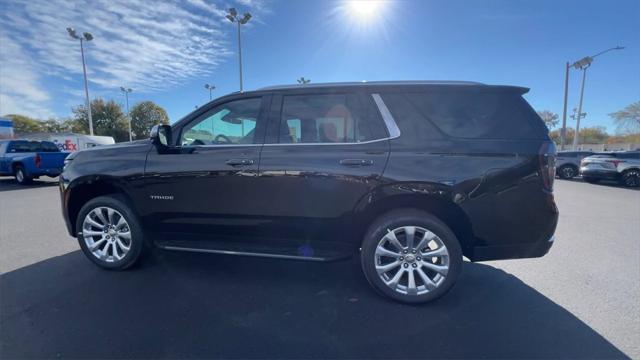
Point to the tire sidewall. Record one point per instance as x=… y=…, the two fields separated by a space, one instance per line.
x=137 y=241
x=397 y=219
x=25 y=178
x=562 y=175
x=630 y=174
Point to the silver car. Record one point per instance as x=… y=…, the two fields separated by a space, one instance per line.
x=568 y=163
x=623 y=167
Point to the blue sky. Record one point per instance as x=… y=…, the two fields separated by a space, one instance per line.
x=167 y=50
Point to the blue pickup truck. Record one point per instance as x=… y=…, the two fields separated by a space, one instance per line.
x=27 y=160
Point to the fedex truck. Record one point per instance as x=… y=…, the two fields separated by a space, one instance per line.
x=75 y=142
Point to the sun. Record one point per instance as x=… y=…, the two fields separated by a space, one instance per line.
x=364 y=10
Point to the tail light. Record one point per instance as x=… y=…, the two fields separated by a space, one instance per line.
x=38 y=160
x=547 y=164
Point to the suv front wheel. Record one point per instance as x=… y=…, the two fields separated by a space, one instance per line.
x=109 y=233
x=411 y=256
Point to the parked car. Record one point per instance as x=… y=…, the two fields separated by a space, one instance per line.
x=623 y=167
x=412 y=176
x=26 y=160
x=568 y=163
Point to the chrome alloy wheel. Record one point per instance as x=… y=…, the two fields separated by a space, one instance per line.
x=568 y=172
x=106 y=234
x=20 y=176
x=412 y=260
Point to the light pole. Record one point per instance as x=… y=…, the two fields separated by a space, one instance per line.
x=303 y=81
x=581 y=64
x=210 y=88
x=126 y=92
x=233 y=17
x=88 y=37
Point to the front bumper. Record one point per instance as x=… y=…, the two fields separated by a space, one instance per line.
x=64 y=202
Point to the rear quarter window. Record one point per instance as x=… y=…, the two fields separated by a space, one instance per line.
x=466 y=114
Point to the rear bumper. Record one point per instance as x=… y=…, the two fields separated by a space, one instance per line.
x=514 y=251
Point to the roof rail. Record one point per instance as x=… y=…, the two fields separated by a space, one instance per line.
x=371 y=83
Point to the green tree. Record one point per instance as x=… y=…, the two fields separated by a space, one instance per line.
x=588 y=135
x=593 y=135
x=108 y=120
x=25 y=124
x=55 y=125
x=550 y=118
x=144 y=115
x=627 y=120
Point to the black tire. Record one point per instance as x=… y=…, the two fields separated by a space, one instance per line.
x=630 y=178
x=409 y=217
x=137 y=242
x=566 y=172
x=590 y=180
x=21 y=175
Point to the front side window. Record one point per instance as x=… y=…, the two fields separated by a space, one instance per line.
x=230 y=123
x=328 y=118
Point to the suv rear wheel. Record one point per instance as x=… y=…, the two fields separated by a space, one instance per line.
x=109 y=233
x=411 y=256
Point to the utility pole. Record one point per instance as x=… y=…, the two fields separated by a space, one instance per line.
x=563 y=130
x=581 y=64
x=88 y=37
x=210 y=88
x=579 y=114
x=233 y=17
x=126 y=92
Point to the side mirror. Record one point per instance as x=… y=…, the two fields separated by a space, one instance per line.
x=161 y=135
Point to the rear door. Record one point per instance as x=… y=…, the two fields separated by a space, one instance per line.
x=324 y=152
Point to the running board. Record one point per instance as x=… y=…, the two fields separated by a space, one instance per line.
x=189 y=246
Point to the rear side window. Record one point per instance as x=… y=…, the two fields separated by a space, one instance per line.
x=468 y=114
x=323 y=118
x=47 y=146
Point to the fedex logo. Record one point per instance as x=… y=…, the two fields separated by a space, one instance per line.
x=67 y=145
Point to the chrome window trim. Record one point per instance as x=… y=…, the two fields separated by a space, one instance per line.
x=388 y=119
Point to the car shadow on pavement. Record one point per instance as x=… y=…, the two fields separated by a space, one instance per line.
x=181 y=305
x=605 y=183
x=9 y=183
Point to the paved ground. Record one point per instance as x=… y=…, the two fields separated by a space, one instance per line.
x=580 y=301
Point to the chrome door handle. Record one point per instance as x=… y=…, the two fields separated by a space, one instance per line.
x=239 y=162
x=356 y=162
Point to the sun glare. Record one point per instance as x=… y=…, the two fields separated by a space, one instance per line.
x=364 y=10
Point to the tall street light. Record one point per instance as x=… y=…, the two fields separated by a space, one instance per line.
x=88 y=37
x=210 y=88
x=126 y=92
x=233 y=17
x=581 y=64
x=303 y=81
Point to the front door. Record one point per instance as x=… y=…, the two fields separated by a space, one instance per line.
x=204 y=188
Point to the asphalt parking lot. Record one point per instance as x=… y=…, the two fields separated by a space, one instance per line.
x=582 y=300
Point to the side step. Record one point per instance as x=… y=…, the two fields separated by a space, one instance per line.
x=256 y=250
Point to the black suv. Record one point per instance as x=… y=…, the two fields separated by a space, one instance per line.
x=412 y=176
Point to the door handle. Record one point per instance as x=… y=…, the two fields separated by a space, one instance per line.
x=239 y=162
x=356 y=162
